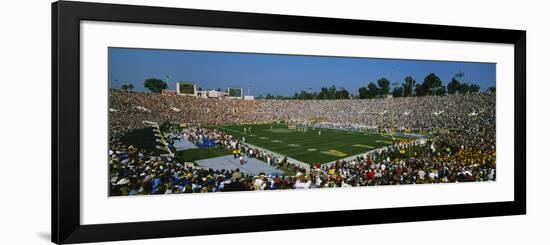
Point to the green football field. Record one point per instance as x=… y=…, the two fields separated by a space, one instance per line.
x=308 y=147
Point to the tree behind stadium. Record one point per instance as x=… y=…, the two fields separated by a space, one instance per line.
x=155 y=85
x=408 y=86
x=432 y=85
x=372 y=91
x=384 y=86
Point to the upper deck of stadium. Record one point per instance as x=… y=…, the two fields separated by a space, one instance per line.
x=451 y=111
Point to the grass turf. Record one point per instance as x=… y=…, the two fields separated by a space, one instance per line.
x=308 y=147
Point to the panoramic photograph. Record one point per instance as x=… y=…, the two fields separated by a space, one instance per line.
x=185 y=121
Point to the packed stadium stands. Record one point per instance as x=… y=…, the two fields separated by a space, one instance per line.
x=460 y=130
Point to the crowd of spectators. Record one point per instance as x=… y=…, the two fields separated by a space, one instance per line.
x=429 y=112
x=461 y=145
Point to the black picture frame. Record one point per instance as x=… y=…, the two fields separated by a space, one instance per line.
x=66 y=17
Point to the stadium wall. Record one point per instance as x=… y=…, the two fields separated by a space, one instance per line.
x=289 y=159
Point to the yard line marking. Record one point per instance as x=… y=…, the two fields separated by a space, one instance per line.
x=363 y=146
x=334 y=153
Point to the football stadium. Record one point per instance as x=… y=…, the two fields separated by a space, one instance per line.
x=257 y=122
x=186 y=144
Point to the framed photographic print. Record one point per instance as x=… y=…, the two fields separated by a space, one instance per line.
x=177 y=122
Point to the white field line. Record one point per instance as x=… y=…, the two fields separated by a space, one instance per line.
x=289 y=159
x=361 y=154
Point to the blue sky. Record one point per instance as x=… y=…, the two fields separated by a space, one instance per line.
x=278 y=74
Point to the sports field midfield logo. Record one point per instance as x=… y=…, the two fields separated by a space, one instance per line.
x=334 y=153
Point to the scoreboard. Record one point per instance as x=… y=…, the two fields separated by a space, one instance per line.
x=235 y=92
x=186 y=88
